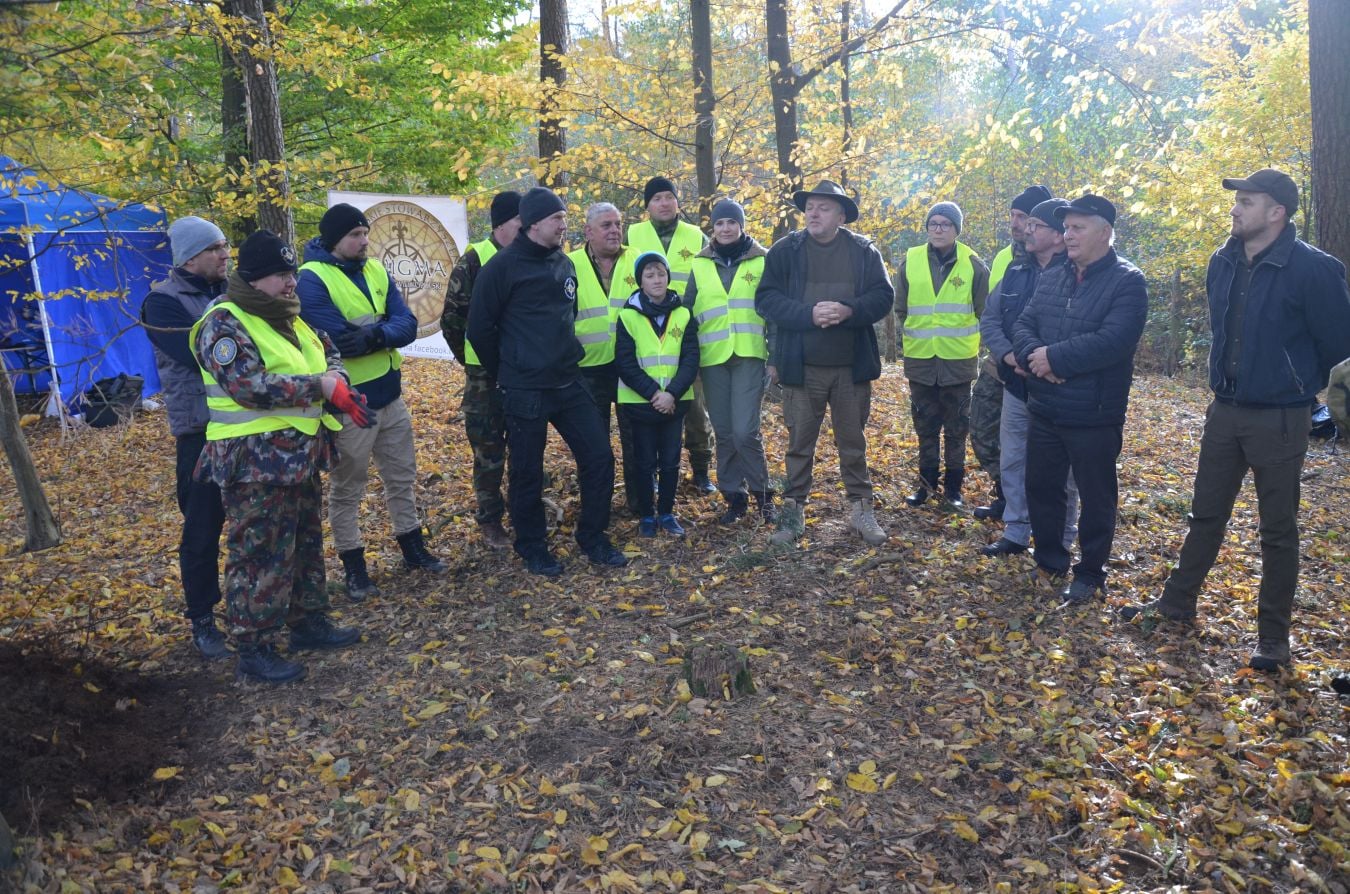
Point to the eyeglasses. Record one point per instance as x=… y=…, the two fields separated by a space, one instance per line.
x=220 y=247
x=937 y=226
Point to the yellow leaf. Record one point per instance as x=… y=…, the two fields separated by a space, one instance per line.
x=867 y=767
x=432 y=710
x=1232 y=828
x=286 y=876
x=963 y=829
x=1035 y=867
x=715 y=780
x=164 y=773
x=861 y=783
x=487 y=853
x=547 y=788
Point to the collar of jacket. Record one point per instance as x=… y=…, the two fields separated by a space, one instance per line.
x=199 y=284
x=754 y=251
x=797 y=237
x=1105 y=262
x=945 y=260
x=1277 y=254
x=1029 y=262
x=531 y=249
x=315 y=252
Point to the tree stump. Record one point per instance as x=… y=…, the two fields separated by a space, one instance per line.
x=714 y=669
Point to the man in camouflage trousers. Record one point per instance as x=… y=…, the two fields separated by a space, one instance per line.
x=986 y=398
x=484 y=423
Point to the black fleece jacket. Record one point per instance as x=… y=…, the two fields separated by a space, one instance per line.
x=523 y=315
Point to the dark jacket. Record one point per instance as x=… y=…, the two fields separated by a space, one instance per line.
x=168 y=313
x=1295 y=329
x=1001 y=311
x=779 y=301
x=1092 y=328
x=398 y=328
x=522 y=317
x=625 y=349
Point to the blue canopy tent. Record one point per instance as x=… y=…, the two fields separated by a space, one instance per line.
x=74 y=269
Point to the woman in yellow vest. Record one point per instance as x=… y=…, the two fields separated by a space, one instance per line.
x=267 y=376
x=656 y=355
x=732 y=355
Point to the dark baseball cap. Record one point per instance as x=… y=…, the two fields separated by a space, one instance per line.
x=1276 y=184
x=1089 y=204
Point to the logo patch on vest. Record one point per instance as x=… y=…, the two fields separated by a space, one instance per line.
x=224 y=351
x=958 y=281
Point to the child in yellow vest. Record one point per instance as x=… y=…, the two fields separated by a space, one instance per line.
x=656 y=354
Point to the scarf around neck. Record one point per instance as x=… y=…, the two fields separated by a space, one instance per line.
x=280 y=311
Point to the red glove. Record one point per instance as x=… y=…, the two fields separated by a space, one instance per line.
x=353 y=403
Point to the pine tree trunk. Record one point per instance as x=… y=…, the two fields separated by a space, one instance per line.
x=552 y=77
x=41 y=531
x=267 y=143
x=1329 y=70
x=705 y=106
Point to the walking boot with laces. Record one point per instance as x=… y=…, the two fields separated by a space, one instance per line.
x=359 y=585
x=862 y=519
x=702 y=483
x=260 y=663
x=208 y=639
x=791 y=523
x=737 y=504
x=1156 y=608
x=415 y=554
x=315 y=631
x=494 y=535
x=1270 y=655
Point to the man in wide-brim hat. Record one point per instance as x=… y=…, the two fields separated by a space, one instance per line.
x=823 y=288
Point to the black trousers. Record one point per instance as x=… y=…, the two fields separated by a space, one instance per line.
x=203 y=520
x=1090 y=453
x=657 y=439
x=603 y=384
x=573 y=414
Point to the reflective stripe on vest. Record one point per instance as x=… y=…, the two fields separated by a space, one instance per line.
x=685 y=243
x=229 y=419
x=944 y=324
x=727 y=323
x=353 y=304
x=1001 y=262
x=659 y=356
x=598 y=313
x=485 y=250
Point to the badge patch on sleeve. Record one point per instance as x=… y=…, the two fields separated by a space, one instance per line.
x=225 y=351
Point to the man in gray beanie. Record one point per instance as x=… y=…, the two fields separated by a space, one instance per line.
x=940 y=296
x=201 y=254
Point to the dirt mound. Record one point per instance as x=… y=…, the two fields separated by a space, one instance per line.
x=72 y=729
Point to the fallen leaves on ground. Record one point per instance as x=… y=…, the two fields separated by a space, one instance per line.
x=924 y=718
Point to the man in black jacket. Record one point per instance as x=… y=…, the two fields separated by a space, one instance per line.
x=521 y=323
x=1077 y=339
x=1280 y=313
x=823 y=288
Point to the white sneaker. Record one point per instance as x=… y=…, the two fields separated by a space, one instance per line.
x=862 y=520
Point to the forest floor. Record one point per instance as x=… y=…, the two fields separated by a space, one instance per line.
x=924 y=719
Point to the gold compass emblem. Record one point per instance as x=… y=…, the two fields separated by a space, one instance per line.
x=419 y=254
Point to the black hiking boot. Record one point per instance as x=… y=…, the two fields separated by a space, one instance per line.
x=359 y=585
x=260 y=663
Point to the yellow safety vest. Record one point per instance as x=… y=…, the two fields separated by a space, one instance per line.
x=685 y=243
x=1001 y=262
x=727 y=322
x=659 y=356
x=230 y=419
x=598 y=313
x=943 y=324
x=352 y=303
x=485 y=250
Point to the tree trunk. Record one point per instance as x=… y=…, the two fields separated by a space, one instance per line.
x=705 y=106
x=41 y=531
x=552 y=77
x=1175 y=348
x=1329 y=70
x=234 y=120
x=845 y=90
x=267 y=145
x=783 y=92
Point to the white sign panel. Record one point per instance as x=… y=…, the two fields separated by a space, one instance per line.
x=419 y=240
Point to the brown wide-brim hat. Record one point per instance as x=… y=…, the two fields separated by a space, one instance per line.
x=828 y=189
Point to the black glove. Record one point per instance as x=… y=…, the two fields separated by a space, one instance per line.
x=358 y=340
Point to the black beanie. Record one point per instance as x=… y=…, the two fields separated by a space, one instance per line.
x=1030 y=198
x=262 y=254
x=338 y=221
x=505 y=205
x=1045 y=213
x=537 y=204
x=729 y=208
x=655 y=185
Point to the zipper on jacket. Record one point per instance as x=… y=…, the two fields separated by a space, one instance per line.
x=1298 y=383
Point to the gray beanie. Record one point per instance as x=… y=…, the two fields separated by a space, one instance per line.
x=728 y=208
x=190 y=236
x=949 y=210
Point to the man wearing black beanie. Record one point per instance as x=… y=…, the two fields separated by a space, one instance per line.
x=522 y=322
x=484 y=423
x=350 y=295
x=680 y=242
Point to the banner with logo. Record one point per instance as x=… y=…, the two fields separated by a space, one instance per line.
x=419 y=240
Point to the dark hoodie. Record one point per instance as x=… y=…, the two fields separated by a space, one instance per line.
x=625 y=350
x=398 y=328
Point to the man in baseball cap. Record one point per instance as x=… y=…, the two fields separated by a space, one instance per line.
x=1280 y=314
